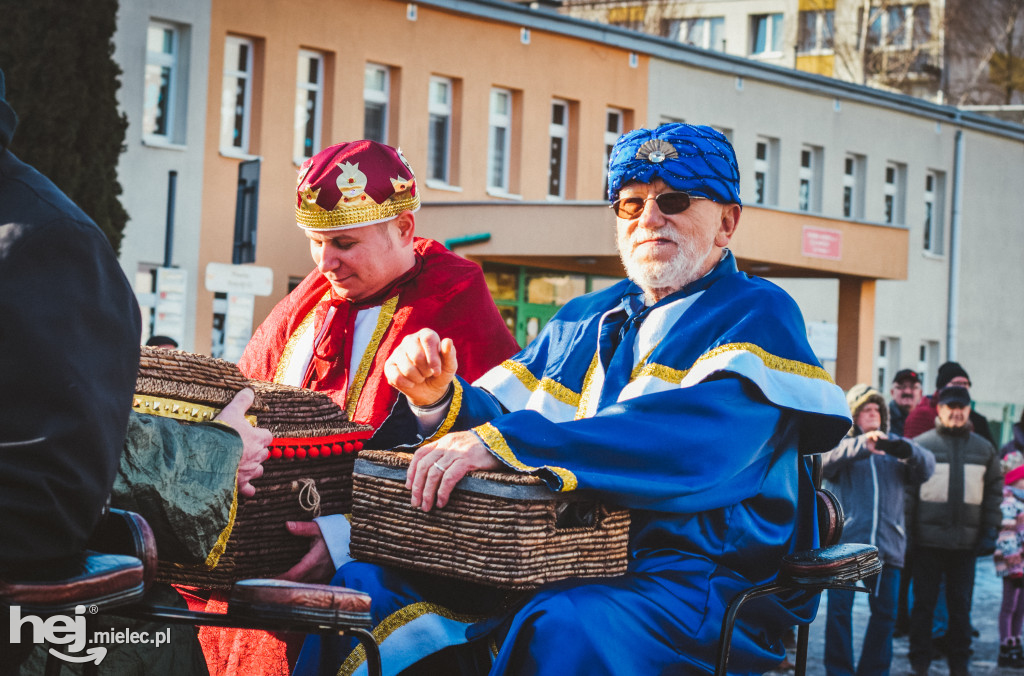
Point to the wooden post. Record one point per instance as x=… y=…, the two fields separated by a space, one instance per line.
x=856 y=341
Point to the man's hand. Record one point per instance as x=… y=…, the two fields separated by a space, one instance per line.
x=438 y=466
x=871 y=438
x=254 y=440
x=316 y=566
x=422 y=367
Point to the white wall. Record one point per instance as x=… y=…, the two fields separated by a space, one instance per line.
x=143 y=169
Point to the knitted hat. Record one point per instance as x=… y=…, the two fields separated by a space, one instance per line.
x=947 y=372
x=1011 y=461
x=1014 y=475
x=691 y=158
x=861 y=394
x=350 y=185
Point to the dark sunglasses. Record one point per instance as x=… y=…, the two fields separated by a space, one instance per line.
x=668 y=202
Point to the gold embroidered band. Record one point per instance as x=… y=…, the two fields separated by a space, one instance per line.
x=179 y=410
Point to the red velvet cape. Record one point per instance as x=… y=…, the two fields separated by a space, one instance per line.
x=448 y=294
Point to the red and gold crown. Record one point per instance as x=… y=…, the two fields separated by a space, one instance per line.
x=350 y=185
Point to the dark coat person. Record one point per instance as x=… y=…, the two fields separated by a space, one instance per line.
x=69 y=349
x=956 y=516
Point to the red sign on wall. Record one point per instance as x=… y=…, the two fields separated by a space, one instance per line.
x=822 y=243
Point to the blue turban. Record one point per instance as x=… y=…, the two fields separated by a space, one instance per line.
x=691 y=158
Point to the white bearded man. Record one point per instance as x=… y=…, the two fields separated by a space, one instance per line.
x=686 y=393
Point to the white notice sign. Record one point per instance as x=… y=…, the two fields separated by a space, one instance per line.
x=238 y=324
x=169 y=308
x=249 y=279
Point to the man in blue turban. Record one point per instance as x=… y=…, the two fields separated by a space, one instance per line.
x=687 y=393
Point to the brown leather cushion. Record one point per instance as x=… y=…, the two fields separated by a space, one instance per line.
x=828 y=565
x=282 y=593
x=105 y=580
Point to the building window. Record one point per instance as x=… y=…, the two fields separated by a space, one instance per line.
x=810 y=178
x=499 y=140
x=894 y=191
x=376 y=95
x=528 y=298
x=766 y=33
x=888 y=361
x=815 y=31
x=766 y=171
x=246 y=200
x=934 y=208
x=162 y=53
x=706 y=32
x=897 y=27
x=853 y=186
x=558 y=156
x=309 y=94
x=236 y=95
x=927 y=360
x=614 y=124
x=922 y=25
x=440 y=140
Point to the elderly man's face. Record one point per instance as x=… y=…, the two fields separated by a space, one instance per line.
x=953 y=415
x=869 y=417
x=906 y=393
x=663 y=253
x=361 y=261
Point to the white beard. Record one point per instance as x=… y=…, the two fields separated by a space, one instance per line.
x=674 y=273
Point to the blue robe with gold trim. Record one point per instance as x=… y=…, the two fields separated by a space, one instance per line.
x=692 y=412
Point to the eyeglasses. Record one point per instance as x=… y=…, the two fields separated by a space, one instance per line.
x=669 y=202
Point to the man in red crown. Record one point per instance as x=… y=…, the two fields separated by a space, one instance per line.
x=374 y=283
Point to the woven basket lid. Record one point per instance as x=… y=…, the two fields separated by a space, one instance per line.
x=175 y=378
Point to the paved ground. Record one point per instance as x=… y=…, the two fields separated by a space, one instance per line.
x=984 y=616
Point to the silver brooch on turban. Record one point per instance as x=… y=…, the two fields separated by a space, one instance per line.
x=656 y=151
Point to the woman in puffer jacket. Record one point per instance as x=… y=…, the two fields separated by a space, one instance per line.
x=868 y=472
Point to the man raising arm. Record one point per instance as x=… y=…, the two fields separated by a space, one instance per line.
x=686 y=393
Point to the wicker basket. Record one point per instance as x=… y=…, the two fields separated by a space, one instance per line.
x=308 y=473
x=504 y=530
x=303 y=478
x=187 y=386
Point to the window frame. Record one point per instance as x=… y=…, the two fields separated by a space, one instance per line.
x=561 y=131
x=301 y=87
x=854 y=181
x=895 y=213
x=819 y=38
x=229 y=123
x=381 y=97
x=500 y=121
x=610 y=137
x=810 y=175
x=774 y=34
x=766 y=172
x=933 y=237
x=709 y=27
x=443 y=110
x=171 y=62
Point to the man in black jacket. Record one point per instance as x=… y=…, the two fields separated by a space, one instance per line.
x=69 y=350
x=956 y=515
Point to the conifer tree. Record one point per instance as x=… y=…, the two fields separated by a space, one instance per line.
x=62 y=81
